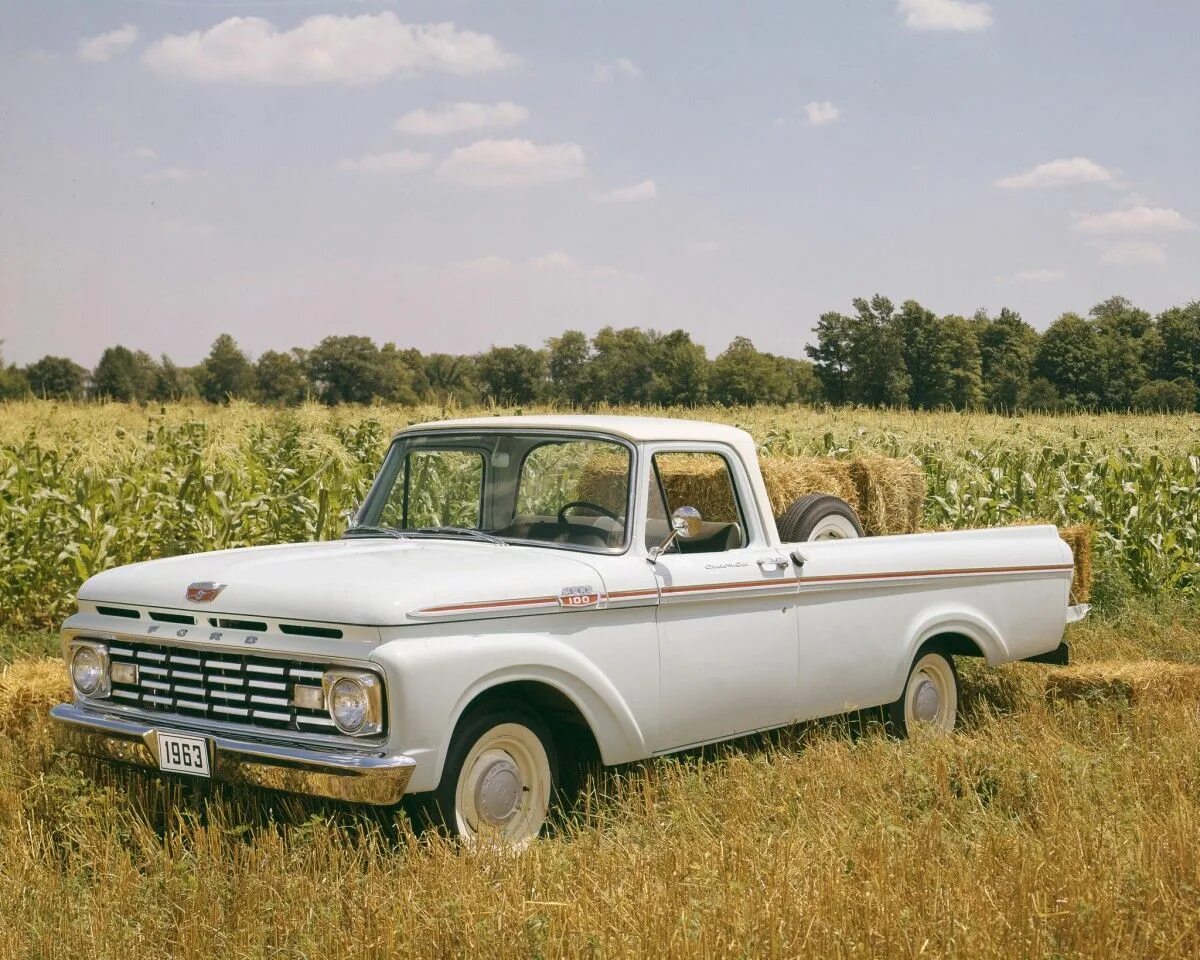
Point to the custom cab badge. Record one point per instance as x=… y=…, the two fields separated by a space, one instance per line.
x=204 y=591
x=576 y=597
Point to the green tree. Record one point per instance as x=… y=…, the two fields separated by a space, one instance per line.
x=397 y=378
x=833 y=355
x=960 y=346
x=280 y=378
x=124 y=375
x=512 y=375
x=1007 y=347
x=926 y=350
x=226 y=372
x=56 y=378
x=173 y=382
x=1178 y=342
x=1166 y=396
x=878 y=375
x=741 y=375
x=13 y=383
x=1126 y=343
x=568 y=362
x=352 y=369
x=1069 y=357
x=451 y=377
x=801 y=377
x=622 y=366
x=680 y=374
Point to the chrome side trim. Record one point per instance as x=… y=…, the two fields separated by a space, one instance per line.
x=353 y=776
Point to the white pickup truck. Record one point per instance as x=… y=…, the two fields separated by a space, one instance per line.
x=520 y=593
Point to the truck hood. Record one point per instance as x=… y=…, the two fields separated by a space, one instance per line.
x=370 y=582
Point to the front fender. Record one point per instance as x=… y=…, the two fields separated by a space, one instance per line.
x=432 y=681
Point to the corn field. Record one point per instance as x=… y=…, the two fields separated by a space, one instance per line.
x=85 y=488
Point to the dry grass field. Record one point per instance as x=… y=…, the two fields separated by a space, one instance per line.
x=1062 y=824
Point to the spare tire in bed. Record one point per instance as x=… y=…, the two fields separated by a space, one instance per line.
x=819 y=516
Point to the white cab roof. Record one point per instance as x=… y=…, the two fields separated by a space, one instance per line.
x=637 y=429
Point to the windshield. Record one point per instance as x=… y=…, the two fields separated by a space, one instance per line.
x=554 y=490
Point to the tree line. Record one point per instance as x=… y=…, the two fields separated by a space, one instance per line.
x=1117 y=357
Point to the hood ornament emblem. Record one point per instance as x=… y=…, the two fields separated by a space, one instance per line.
x=204 y=591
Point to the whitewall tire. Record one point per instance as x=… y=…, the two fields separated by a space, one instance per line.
x=499 y=778
x=930 y=697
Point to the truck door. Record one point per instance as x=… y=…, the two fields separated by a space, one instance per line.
x=727 y=620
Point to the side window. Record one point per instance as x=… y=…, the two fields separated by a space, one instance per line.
x=441 y=488
x=703 y=481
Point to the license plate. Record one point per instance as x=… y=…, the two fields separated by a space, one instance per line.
x=179 y=754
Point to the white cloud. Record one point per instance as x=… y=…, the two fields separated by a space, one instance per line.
x=398 y=161
x=175 y=174
x=959 y=15
x=1134 y=220
x=1132 y=252
x=563 y=263
x=144 y=153
x=1034 y=276
x=499 y=163
x=323 y=49
x=108 y=45
x=821 y=112
x=620 y=69
x=1057 y=173
x=646 y=190
x=458 y=117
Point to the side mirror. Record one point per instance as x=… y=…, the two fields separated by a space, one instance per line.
x=685 y=524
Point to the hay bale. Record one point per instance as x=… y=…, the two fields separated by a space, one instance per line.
x=1079 y=538
x=1129 y=681
x=891 y=493
x=789 y=478
x=28 y=689
x=887 y=494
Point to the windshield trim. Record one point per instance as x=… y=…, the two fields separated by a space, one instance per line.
x=551 y=433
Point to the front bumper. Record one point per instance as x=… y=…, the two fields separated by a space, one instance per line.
x=356 y=777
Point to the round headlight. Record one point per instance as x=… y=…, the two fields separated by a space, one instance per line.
x=87 y=670
x=348 y=704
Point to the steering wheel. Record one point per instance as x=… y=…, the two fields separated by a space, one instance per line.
x=603 y=511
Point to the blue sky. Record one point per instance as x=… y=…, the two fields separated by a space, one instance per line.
x=449 y=176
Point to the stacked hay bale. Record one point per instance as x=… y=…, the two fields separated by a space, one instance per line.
x=1129 y=681
x=1079 y=538
x=887 y=494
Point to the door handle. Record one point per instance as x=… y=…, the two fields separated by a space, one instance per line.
x=773 y=563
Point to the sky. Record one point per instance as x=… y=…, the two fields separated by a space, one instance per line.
x=448 y=176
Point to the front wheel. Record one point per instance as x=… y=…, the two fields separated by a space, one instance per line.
x=930 y=697
x=499 y=777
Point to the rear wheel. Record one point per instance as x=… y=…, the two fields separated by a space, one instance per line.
x=819 y=516
x=930 y=697
x=499 y=777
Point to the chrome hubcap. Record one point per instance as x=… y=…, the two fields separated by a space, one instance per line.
x=498 y=791
x=926 y=701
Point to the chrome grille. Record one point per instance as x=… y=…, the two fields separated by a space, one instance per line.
x=219 y=685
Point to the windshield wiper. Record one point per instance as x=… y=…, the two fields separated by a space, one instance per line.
x=366 y=530
x=456 y=531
